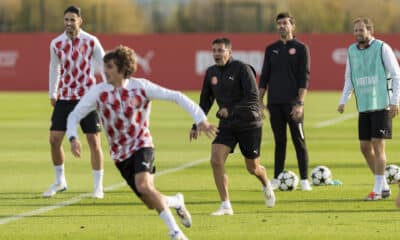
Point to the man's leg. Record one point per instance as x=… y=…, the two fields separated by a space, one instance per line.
x=153 y=199
x=58 y=158
x=219 y=154
x=253 y=167
x=97 y=162
x=369 y=154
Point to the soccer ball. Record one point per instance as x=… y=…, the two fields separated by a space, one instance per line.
x=321 y=175
x=288 y=181
x=392 y=173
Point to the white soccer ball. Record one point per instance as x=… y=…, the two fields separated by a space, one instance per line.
x=392 y=174
x=288 y=181
x=321 y=175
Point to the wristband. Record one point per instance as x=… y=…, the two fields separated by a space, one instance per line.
x=194 y=126
x=72 y=139
x=300 y=103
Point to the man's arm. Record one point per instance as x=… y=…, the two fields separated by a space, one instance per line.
x=98 y=54
x=54 y=75
x=392 y=67
x=347 y=89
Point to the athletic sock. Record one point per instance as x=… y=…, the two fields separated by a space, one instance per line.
x=169 y=220
x=60 y=175
x=226 y=204
x=172 y=201
x=98 y=178
x=378 y=183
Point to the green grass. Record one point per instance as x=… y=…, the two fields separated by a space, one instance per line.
x=330 y=212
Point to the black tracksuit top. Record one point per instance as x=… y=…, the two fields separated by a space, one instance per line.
x=234 y=87
x=286 y=68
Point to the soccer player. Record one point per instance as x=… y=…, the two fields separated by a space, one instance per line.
x=373 y=73
x=233 y=85
x=285 y=75
x=74 y=55
x=123 y=103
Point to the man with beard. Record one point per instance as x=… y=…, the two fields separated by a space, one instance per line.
x=232 y=84
x=75 y=55
x=285 y=75
x=373 y=73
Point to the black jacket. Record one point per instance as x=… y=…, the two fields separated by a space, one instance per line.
x=234 y=87
x=286 y=68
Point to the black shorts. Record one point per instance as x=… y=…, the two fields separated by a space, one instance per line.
x=376 y=124
x=89 y=124
x=249 y=140
x=140 y=161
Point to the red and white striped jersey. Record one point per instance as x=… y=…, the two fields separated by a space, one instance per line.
x=73 y=64
x=125 y=112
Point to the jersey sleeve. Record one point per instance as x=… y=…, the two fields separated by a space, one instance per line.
x=98 y=54
x=154 y=91
x=86 y=105
x=54 y=73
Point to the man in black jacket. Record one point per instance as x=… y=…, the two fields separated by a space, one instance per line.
x=233 y=85
x=285 y=74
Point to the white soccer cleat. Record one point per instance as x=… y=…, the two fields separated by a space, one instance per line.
x=269 y=196
x=223 y=211
x=177 y=235
x=98 y=193
x=54 y=189
x=275 y=184
x=182 y=212
x=305 y=185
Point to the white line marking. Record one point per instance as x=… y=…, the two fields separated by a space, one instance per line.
x=336 y=120
x=86 y=195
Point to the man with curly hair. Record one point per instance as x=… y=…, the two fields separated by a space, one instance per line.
x=123 y=103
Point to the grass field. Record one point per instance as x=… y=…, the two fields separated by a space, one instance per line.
x=329 y=212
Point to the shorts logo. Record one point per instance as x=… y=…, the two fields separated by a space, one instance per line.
x=214 y=80
x=292 y=51
x=146 y=164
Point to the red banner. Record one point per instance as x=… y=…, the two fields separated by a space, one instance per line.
x=176 y=61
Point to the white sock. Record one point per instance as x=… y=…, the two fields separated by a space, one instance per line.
x=385 y=185
x=226 y=204
x=378 y=184
x=60 y=175
x=172 y=201
x=169 y=220
x=98 y=178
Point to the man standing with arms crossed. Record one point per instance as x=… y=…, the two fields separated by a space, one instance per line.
x=233 y=85
x=285 y=75
x=73 y=56
x=370 y=65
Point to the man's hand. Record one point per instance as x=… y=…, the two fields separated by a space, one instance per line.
x=53 y=101
x=262 y=108
x=223 y=113
x=297 y=112
x=76 y=147
x=193 y=134
x=394 y=110
x=340 y=108
x=209 y=129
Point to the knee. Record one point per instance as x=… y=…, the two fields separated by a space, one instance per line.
x=55 y=141
x=94 y=141
x=143 y=188
x=217 y=162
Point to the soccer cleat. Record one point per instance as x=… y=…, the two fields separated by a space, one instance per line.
x=222 y=211
x=183 y=213
x=275 y=184
x=386 y=193
x=269 y=197
x=372 y=196
x=305 y=185
x=54 y=189
x=177 y=235
x=98 y=193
